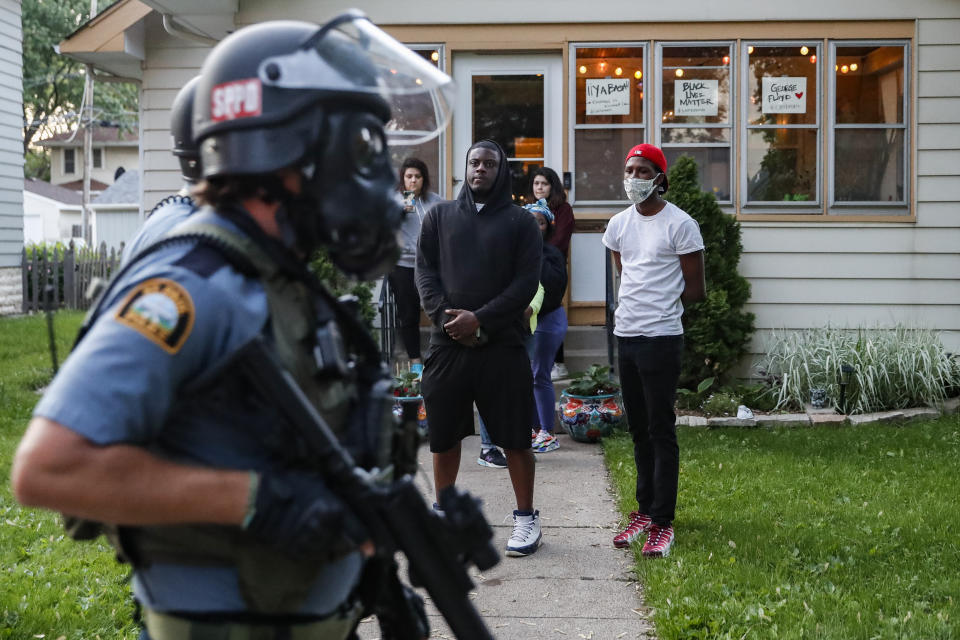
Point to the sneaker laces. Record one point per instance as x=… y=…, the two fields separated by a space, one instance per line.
x=656 y=533
x=522 y=530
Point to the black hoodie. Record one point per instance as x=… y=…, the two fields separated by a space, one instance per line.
x=487 y=262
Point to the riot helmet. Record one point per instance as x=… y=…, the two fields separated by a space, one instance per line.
x=326 y=100
x=181 y=132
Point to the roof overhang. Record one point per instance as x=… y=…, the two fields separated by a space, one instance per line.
x=112 y=41
x=205 y=19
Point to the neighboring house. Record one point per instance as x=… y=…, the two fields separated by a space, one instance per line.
x=48 y=211
x=11 y=156
x=829 y=128
x=52 y=213
x=113 y=150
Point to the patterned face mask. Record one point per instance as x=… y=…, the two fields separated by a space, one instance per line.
x=639 y=190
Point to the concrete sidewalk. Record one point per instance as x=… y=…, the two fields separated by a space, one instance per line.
x=577 y=585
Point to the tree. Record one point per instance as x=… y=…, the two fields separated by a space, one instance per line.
x=717 y=329
x=53 y=84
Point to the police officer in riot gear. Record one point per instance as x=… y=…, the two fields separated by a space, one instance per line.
x=176 y=208
x=147 y=427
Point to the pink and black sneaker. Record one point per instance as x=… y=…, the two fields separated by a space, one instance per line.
x=639 y=523
x=659 y=541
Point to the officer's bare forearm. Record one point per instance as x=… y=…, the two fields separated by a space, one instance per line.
x=59 y=469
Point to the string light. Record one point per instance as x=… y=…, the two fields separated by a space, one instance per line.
x=603 y=66
x=854 y=66
x=844 y=69
x=679 y=73
x=435 y=56
x=618 y=71
x=750 y=49
x=583 y=69
x=804 y=51
x=726 y=59
x=813 y=59
x=638 y=74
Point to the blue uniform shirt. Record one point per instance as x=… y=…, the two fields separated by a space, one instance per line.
x=165 y=216
x=171 y=324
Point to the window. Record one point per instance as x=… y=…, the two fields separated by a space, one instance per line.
x=69 y=161
x=609 y=117
x=431 y=152
x=694 y=111
x=782 y=125
x=98 y=158
x=868 y=147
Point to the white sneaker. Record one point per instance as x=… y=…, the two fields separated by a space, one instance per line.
x=559 y=371
x=526 y=536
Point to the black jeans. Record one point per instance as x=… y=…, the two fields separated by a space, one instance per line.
x=407 y=297
x=649 y=370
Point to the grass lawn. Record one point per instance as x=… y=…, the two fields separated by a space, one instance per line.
x=845 y=533
x=50 y=586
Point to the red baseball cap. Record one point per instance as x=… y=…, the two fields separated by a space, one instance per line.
x=651 y=153
x=654 y=155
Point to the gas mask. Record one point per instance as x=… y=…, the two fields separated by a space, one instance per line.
x=639 y=190
x=348 y=202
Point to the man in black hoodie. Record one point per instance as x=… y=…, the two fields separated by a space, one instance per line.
x=478 y=264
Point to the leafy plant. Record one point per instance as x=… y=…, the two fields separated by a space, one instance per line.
x=406 y=385
x=340 y=284
x=687 y=399
x=891 y=368
x=717 y=329
x=721 y=403
x=759 y=397
x=595 y=381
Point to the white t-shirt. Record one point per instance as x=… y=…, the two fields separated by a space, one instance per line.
x=651 y=281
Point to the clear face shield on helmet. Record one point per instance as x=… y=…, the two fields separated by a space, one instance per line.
x=375 y=92
x=351 y=55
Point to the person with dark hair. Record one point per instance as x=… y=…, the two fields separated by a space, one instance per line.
x=415 y=185
x=478 y=265
x=174 y=209
x=550 y=328
x=545 y=184
x=154 y=430
x=659 y=252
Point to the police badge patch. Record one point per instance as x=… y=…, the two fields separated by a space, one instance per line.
x=161 y=310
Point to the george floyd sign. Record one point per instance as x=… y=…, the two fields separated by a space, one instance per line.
x=608 y=97
x=695 y=97
x=784 y=95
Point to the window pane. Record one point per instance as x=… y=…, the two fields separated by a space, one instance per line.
x=789 y=95
x=696 y=84
x=599 y=162
x=609 y=85
x=869 y=84
x=687 y=135
x=713 y=166
x=68 y=161
x=869 y=165
x=782 y=165
x=520 y=171
x=509 y=109
x=98 y=158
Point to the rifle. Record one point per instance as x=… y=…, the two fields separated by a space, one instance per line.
x=392 y=509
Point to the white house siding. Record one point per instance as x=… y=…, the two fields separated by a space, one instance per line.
x=115 y=225
x=170 y=62
x=114 y=157
x=11 y=156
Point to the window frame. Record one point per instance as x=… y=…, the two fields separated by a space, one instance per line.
x=853 y=207
x=440 y=180
x=102 y=151
x=72 y=162
x=778 y=207
x=644 y=126
x=734 y=111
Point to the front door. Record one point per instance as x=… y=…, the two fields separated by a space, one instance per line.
x=515 y=100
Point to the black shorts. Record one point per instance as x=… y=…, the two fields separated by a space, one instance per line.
x=495 y=377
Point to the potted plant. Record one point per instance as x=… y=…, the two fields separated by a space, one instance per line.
x=406 y=390
x=591 y=406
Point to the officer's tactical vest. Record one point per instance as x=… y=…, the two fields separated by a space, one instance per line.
x=307 y=345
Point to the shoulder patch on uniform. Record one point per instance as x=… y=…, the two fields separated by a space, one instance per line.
x=161 y=310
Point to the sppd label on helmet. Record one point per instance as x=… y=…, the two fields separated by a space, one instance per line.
x=236 y=99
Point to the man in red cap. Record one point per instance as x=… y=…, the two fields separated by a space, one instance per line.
x=659 y=252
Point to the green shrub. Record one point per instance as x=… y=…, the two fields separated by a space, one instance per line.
x=759 y=397
x=892 y=368
x=721 y=403
x=717 y=329
x=340 y=284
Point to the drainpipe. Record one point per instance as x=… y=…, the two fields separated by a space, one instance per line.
x=178 y=31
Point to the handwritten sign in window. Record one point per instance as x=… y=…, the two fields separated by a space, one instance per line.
x=608 y=97
x=695 y=97
x=784 y=95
